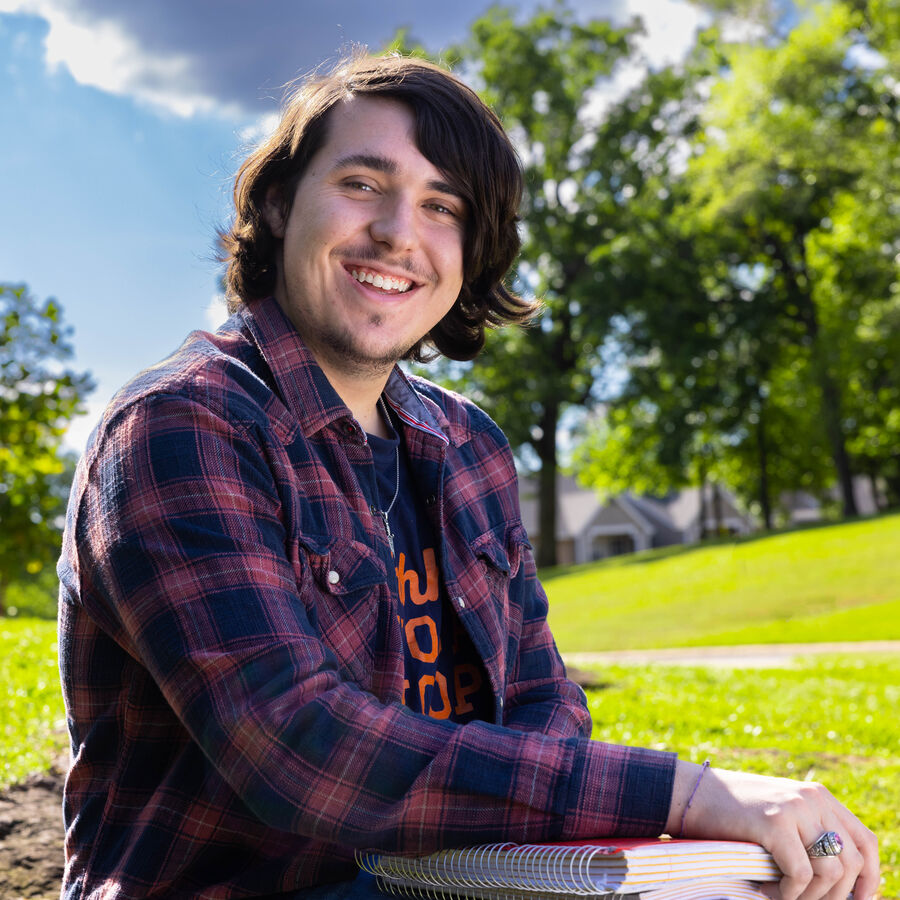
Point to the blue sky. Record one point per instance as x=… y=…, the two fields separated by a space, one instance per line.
x=123 y=124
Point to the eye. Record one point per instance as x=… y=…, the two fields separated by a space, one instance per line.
x=442 y=209
x=359 y=186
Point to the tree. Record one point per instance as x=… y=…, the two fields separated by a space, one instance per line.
x=789 y=135
x=544 y=78
x=783 y=350
x=38 y=398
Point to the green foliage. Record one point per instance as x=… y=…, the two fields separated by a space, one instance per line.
x=38 y=397
x=545 y=79
x=35 y=596
x=777 y=368
x=828 y=719
x=33 y=718
x=829 y=583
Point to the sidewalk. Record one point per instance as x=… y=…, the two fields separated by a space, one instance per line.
x=751 y=656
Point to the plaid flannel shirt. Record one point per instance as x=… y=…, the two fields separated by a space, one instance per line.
x=232 y=663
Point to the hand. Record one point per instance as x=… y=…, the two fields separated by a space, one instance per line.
x=785 y=816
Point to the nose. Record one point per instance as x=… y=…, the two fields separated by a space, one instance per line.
x=395 y=223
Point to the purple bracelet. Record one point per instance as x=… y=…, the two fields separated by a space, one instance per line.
x=703 y=769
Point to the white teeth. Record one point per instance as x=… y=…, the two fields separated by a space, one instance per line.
x=385 y=282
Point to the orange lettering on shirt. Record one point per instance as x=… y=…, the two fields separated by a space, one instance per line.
x=466 y=681
x=409 y=578
x=444 y=711
x=412 y=639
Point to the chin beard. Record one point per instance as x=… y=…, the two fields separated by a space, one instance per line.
x=346 y=352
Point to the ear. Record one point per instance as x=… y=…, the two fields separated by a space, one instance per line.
x=273 y=210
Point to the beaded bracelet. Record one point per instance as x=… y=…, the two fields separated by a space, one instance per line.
x=703 y=769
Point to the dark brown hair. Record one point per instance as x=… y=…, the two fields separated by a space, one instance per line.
x=455 y=131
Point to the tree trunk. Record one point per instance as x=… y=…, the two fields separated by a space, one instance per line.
x=831 y=402
x=546 y=448
x=717 y=509
x=702 y=512
x=876 y=494
x=765 y=501
x=892 y=484
x=797 y=272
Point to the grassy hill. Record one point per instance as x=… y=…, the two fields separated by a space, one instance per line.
x=831 y=583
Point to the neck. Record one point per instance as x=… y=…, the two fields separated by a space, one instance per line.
x=361 y=397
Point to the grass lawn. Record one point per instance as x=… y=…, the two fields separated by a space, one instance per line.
x=32 y=716
x=829 y=719
x=834 y=583
x=834 y=719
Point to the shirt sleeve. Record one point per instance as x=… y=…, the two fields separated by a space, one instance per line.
x=185 y=562
x=539 y=697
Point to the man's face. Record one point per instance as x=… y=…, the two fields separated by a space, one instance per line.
x=373 y=246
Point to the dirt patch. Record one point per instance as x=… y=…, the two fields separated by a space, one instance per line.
x=31 y=838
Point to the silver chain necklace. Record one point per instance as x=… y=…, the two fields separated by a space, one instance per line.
x=384 y=513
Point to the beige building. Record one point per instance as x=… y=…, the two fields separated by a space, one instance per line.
x=590 y=529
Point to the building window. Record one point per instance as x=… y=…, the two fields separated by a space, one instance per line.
x=621 y=543
x=611 y=545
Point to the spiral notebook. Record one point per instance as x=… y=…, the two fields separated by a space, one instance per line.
x=658 y=869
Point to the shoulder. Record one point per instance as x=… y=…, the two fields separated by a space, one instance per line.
x=223 y=371
x=219 y=376
x=465 y=421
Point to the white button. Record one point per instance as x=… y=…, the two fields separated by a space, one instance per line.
x=461 y=602
x=333 y=577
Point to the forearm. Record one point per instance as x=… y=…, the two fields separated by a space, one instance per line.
x=783 y=815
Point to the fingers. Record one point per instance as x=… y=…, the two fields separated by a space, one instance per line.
x=826 y=877
x=854 y=871
x=784 y=816
x=830 y=873
x=865 y=843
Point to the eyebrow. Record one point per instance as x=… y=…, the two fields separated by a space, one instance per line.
x=389 y=167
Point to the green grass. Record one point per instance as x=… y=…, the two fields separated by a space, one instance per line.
x=833 y=583
x=33 y=719
x=834 y=719
x=831 y=719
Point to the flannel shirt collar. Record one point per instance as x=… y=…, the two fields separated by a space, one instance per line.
x=306 y=391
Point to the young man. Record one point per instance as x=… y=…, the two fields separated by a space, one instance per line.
x=299 y=614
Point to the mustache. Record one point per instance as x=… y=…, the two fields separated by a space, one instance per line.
x=368 y=253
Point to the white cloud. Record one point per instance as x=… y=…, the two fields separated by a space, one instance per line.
x=670 y=26
x=80 y=427
x=669 y=29
x=216 y=312
x=101 y=53
x=256 y=132
x=225 y=58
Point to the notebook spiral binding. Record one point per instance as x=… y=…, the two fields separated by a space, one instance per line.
x=533 y=868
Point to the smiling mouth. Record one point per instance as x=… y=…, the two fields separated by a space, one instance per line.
x=387 y=284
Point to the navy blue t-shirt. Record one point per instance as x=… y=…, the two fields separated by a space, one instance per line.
x=444 y=677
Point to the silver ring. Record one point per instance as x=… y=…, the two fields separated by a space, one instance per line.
x=828 y=844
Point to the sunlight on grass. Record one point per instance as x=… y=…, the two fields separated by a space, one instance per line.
x=32 y=734
x=831 y=720
x=834 y=583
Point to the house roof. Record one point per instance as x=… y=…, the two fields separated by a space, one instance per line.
x=578 y=507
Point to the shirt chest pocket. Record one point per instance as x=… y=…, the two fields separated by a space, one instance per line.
x=491 y=569
x=344 y=589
